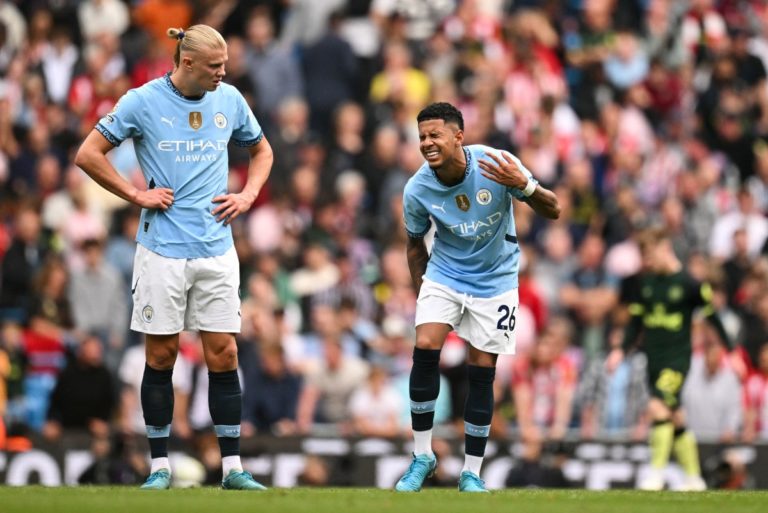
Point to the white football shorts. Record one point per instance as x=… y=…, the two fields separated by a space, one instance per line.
x=486 y=323
x=175 y=294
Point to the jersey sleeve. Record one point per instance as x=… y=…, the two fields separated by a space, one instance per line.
x=247 y=131
x=123 y=122
x=417 y=222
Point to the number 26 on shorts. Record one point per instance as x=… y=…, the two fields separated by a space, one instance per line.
x=507 y=320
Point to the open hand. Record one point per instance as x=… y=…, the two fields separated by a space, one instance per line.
x=504 y=171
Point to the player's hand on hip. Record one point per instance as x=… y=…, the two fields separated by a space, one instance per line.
x=503 y=170
x=230 y=206
x=159 y=198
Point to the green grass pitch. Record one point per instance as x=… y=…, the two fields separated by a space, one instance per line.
x=337 y=500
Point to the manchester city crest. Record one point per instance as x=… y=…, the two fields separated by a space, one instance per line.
x=147 y=314
x=220 y=120
x=483 y=196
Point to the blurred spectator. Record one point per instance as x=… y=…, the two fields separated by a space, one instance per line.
x=273 y=68
x=746 y=217
x=421 y=17
x=375 y=407
x=627 y=65
x=318 y=274
x=45 y=339
x=329 y=384
x=21 y=262
x=121 y=246
x=153 y=63
x=554 y=267
x=327 y=324
x=540 y=466
x=612 y=401
x=98 y=305
x=102 y=16
x=12 y=367
x=155 y=16
x=58 y=64
x=354 y=325
x=543 y=385
x=15 y=25
x=84 y=396
x=271 y=394
x=290 y=133
x=756 y=401
x=708 y=396
x=590 y=295
x=699 y=202
x=307 y=21
x=347 y=146
x=394 y=293
x=738 y=266
x=399 y=82
x=116 y=462
x=330 y=72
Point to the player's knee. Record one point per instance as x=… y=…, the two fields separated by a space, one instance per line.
x=161 y=357
x=428 y=342
x=223 y=358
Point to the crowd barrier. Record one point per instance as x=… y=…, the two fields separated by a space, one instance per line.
x=378 y=463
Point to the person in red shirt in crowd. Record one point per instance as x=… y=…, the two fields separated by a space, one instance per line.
x=756 y=401
x=543 y=386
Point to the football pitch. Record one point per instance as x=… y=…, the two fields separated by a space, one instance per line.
x=364 y=500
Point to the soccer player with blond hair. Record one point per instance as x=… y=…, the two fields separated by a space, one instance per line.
x=186 y=271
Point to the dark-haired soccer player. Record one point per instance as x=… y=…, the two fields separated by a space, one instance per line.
x=468 y=282
x=186 y=273
x=661 y=316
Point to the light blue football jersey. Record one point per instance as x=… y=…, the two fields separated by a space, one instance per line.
x=181 y=144
x=475 y=250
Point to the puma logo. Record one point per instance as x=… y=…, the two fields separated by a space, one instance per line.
x=169 y=121
x=439 y=207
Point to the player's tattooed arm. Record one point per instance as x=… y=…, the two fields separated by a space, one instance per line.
x=418 y=256
x=544 y=202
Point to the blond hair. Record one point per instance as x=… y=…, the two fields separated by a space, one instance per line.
x=195 y=39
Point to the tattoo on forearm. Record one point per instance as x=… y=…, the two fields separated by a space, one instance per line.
x=417 y=261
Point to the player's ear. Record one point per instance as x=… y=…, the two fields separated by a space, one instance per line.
x=459 y=136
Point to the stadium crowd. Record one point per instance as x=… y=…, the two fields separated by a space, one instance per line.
x=636 y=113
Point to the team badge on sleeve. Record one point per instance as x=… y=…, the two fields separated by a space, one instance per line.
x=195 y=120
x=220 y=120
x=462 y=201
x=483 y=196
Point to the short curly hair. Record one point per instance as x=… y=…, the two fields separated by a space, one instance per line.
x=441 y=110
